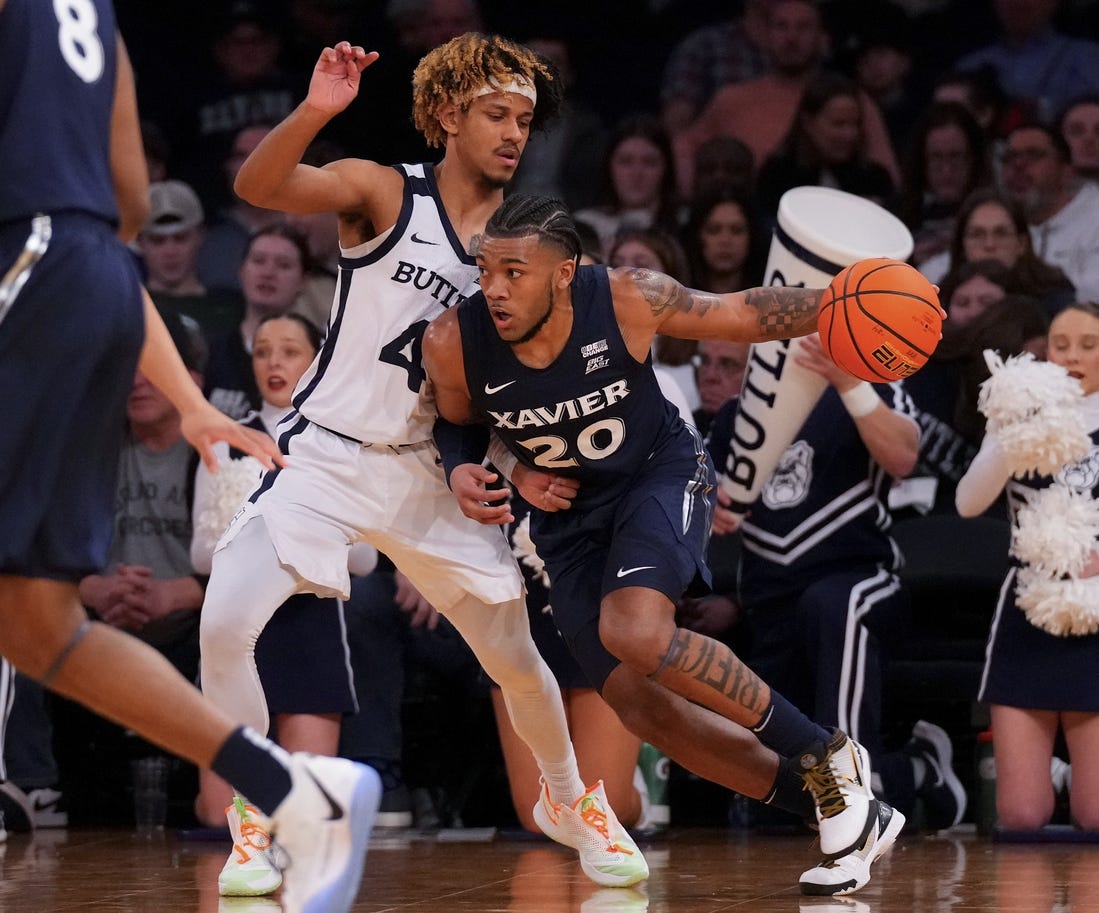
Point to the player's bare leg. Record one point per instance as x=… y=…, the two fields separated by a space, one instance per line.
x=637 y=625
x=108 y=671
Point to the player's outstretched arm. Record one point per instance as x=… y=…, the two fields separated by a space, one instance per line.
x=273 y=176
x=753 y=315
x=203 y=425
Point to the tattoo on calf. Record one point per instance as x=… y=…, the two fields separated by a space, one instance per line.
x=784 y=312
x=712 y=664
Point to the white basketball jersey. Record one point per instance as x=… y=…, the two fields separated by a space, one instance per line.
x=367 y=381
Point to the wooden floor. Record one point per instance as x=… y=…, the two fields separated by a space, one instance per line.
x=693 y=871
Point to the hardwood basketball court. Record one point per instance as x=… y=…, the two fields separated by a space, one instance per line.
x=693 y=871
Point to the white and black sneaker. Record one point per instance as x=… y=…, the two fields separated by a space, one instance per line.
x=840 y=784
x=943 y=794
x=323 y=829
x=48 y=807
x=850 y=872
x=16 y=807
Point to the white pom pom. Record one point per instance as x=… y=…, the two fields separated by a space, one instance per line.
x=522 y=547
x=1034 y=410
x=1055 y=532
x=1061 y=607
x=234 y=481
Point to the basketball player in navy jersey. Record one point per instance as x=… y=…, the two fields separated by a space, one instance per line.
x=75 y=325
x=362 y=461
x=555 y=358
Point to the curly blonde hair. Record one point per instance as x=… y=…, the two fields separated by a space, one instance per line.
x=456 y=71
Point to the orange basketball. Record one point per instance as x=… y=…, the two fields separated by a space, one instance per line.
x=879 y=320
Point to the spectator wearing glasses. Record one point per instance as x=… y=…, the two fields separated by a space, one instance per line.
x=990 y=226
x=1059 y=207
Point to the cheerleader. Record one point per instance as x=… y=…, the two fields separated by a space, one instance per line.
x=1041 y=670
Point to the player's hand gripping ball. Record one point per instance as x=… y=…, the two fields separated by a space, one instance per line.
x=879 y=319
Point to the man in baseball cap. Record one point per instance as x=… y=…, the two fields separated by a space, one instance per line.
x=173 y=207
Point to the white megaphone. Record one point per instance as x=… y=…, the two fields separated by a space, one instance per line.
x=819 y=232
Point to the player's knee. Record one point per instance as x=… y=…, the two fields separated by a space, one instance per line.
x=222 y=634
x=638 y=642
x=1085 y=815
x=1023 y=813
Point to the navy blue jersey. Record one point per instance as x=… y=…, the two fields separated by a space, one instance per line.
x=824 y=506
x=596 y=414
x=57 y=85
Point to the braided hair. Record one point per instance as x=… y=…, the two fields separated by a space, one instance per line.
x=523 y=214
x=458 y=70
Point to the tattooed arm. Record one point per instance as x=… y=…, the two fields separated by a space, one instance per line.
x=647 y=300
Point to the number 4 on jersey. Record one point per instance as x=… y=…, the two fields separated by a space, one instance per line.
x=406 y=351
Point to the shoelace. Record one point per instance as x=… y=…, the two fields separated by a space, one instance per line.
x=251 y=832
x=553 y=809
x=593 y=816
x=821 y=782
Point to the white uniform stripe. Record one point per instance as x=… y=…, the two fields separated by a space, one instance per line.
x=20 y=271
x=864 y=596
x=7 y=699
x=1006 y=589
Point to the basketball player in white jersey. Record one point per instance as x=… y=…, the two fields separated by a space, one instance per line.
x=362 y=464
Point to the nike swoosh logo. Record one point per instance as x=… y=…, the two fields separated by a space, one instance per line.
x=625 y=572
x=418 y=240
x=489 y=389
x=40 y=804
x=333 y=805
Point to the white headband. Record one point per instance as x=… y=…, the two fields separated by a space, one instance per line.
x=517 y=84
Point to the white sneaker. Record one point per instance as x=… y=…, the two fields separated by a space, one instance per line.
x=608 y=855
x=840 y=784
x=250 y=870
x=847 y=874
x=1060 y=774
x=942 y=792
x=323 y=828
x=46 y=804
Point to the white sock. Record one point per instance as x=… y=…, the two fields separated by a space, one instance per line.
x=563 y=781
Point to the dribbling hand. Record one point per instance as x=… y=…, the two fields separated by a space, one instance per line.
x=335 y=80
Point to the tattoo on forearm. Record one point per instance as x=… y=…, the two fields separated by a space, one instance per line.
x=784 y=312
x=665 y=294
x=712 y=664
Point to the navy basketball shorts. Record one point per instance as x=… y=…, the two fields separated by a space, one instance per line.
x=655 y=537
x=316 y=679
x=69 y=347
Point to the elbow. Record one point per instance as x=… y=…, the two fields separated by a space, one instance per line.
x=900 y=467
x=900 y=458
x=964 y=507
x=245 y=189
x=902 y=463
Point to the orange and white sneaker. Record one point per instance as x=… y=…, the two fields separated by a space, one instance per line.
x=608 y=855
x=250 y=870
